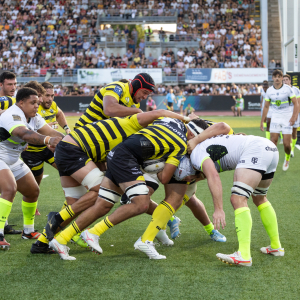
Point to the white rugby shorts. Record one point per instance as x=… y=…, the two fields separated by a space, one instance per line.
x=19 y=168
x=281 y=123
x=260 y=154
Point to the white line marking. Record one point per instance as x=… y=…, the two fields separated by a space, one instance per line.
x=44 y=176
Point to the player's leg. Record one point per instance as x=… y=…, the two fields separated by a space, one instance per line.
x=275 y=129
x=8 y=189
x=161 y=215
x=199 y=211
x=268 y=217
x=29 y=188
x=233 y=109
x=245 y=180
x=294 y=140
x=287 y=131
x=268 y=135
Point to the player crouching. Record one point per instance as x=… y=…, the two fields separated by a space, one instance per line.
x=254 y=160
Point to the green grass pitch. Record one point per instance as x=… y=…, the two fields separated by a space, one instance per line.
x=191 y=270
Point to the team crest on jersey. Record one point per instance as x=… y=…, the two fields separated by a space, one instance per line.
x=278 y=102
x=16 y=118
x=118 y=91
x=51 y=110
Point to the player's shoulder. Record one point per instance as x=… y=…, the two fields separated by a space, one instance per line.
x=117 y=87
x=5 y=98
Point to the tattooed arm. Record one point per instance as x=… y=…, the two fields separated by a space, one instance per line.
x=33 y=137
x=47 y=130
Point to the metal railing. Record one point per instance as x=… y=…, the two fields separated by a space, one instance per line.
x=172 y=40
x=134 y=15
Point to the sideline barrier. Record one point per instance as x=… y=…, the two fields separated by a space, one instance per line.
x=205 y=103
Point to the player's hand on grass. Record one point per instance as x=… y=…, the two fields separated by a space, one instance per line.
x=219 y=218
x=262 y=126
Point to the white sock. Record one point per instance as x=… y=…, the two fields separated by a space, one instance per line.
x=6 y=222
x=28 y=229
x=2 y=231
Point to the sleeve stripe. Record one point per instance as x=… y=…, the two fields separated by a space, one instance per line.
x=14 y=127
x=204 y=159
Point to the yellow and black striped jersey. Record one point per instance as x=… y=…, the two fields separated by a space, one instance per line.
x=169 y=138
x=95 y=112
x=6 y=102
x=98 y=138
x=49 y=114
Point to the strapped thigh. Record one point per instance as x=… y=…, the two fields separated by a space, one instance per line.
x=241 y=189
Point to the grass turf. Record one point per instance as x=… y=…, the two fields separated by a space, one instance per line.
x=191 y=270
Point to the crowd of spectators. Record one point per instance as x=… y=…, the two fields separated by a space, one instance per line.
x=40 y=36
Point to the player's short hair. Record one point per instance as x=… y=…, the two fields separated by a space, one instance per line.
x=266 y=82
x=124 y=80
x=201 y=123
x=7 y=75
x=287 y=76
x=47 y=85
x=25 y=93
x=277 y=72
x=36 y=86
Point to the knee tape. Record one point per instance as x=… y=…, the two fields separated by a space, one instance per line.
x=191 y=190
x=75 y=192
x=259 y=191
x=109 y=195
x=151 y=181
x=136 y=190
x=93 y=178
x=241 y=189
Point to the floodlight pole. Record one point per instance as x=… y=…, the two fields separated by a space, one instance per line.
x=284 y=23
x=295 y=35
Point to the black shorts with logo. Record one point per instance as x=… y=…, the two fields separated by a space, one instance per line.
x=69 y=158
x=122 y=165
x=35 y=160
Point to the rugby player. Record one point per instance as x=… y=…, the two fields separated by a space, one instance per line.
x=287 y=81
x=19 y=125
x=267 y=121
x=279 y=97
x=8 y=85
x=35 y=155
x=254 y=160
x=118 y=99
x=165 y=138
x=76 y=157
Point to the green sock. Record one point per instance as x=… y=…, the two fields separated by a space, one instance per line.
x=287 y=157
x=209 y=228
x=5 y=208
x=281 y=136
x=268 y=135
x=243 y=226
x=265 y=124
x=268 y=217
x=28 y=210
x=293 y=144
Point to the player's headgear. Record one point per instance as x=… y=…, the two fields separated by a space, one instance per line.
x=196 y=126
x=142 y=81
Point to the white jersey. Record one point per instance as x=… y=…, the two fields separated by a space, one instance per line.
x=224 y=150
x=262 y=96
x=12 y=146
x=280 y=100
x=296 y=92
x=230 y=152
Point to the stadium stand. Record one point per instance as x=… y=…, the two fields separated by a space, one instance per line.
x=42 y=37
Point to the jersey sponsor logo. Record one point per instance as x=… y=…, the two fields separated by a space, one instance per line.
x=254 y=160
x=242 y=161
x=271 y=149
x=118 y=91
x=127 y=100
x=16 y=118
x=216 y=152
